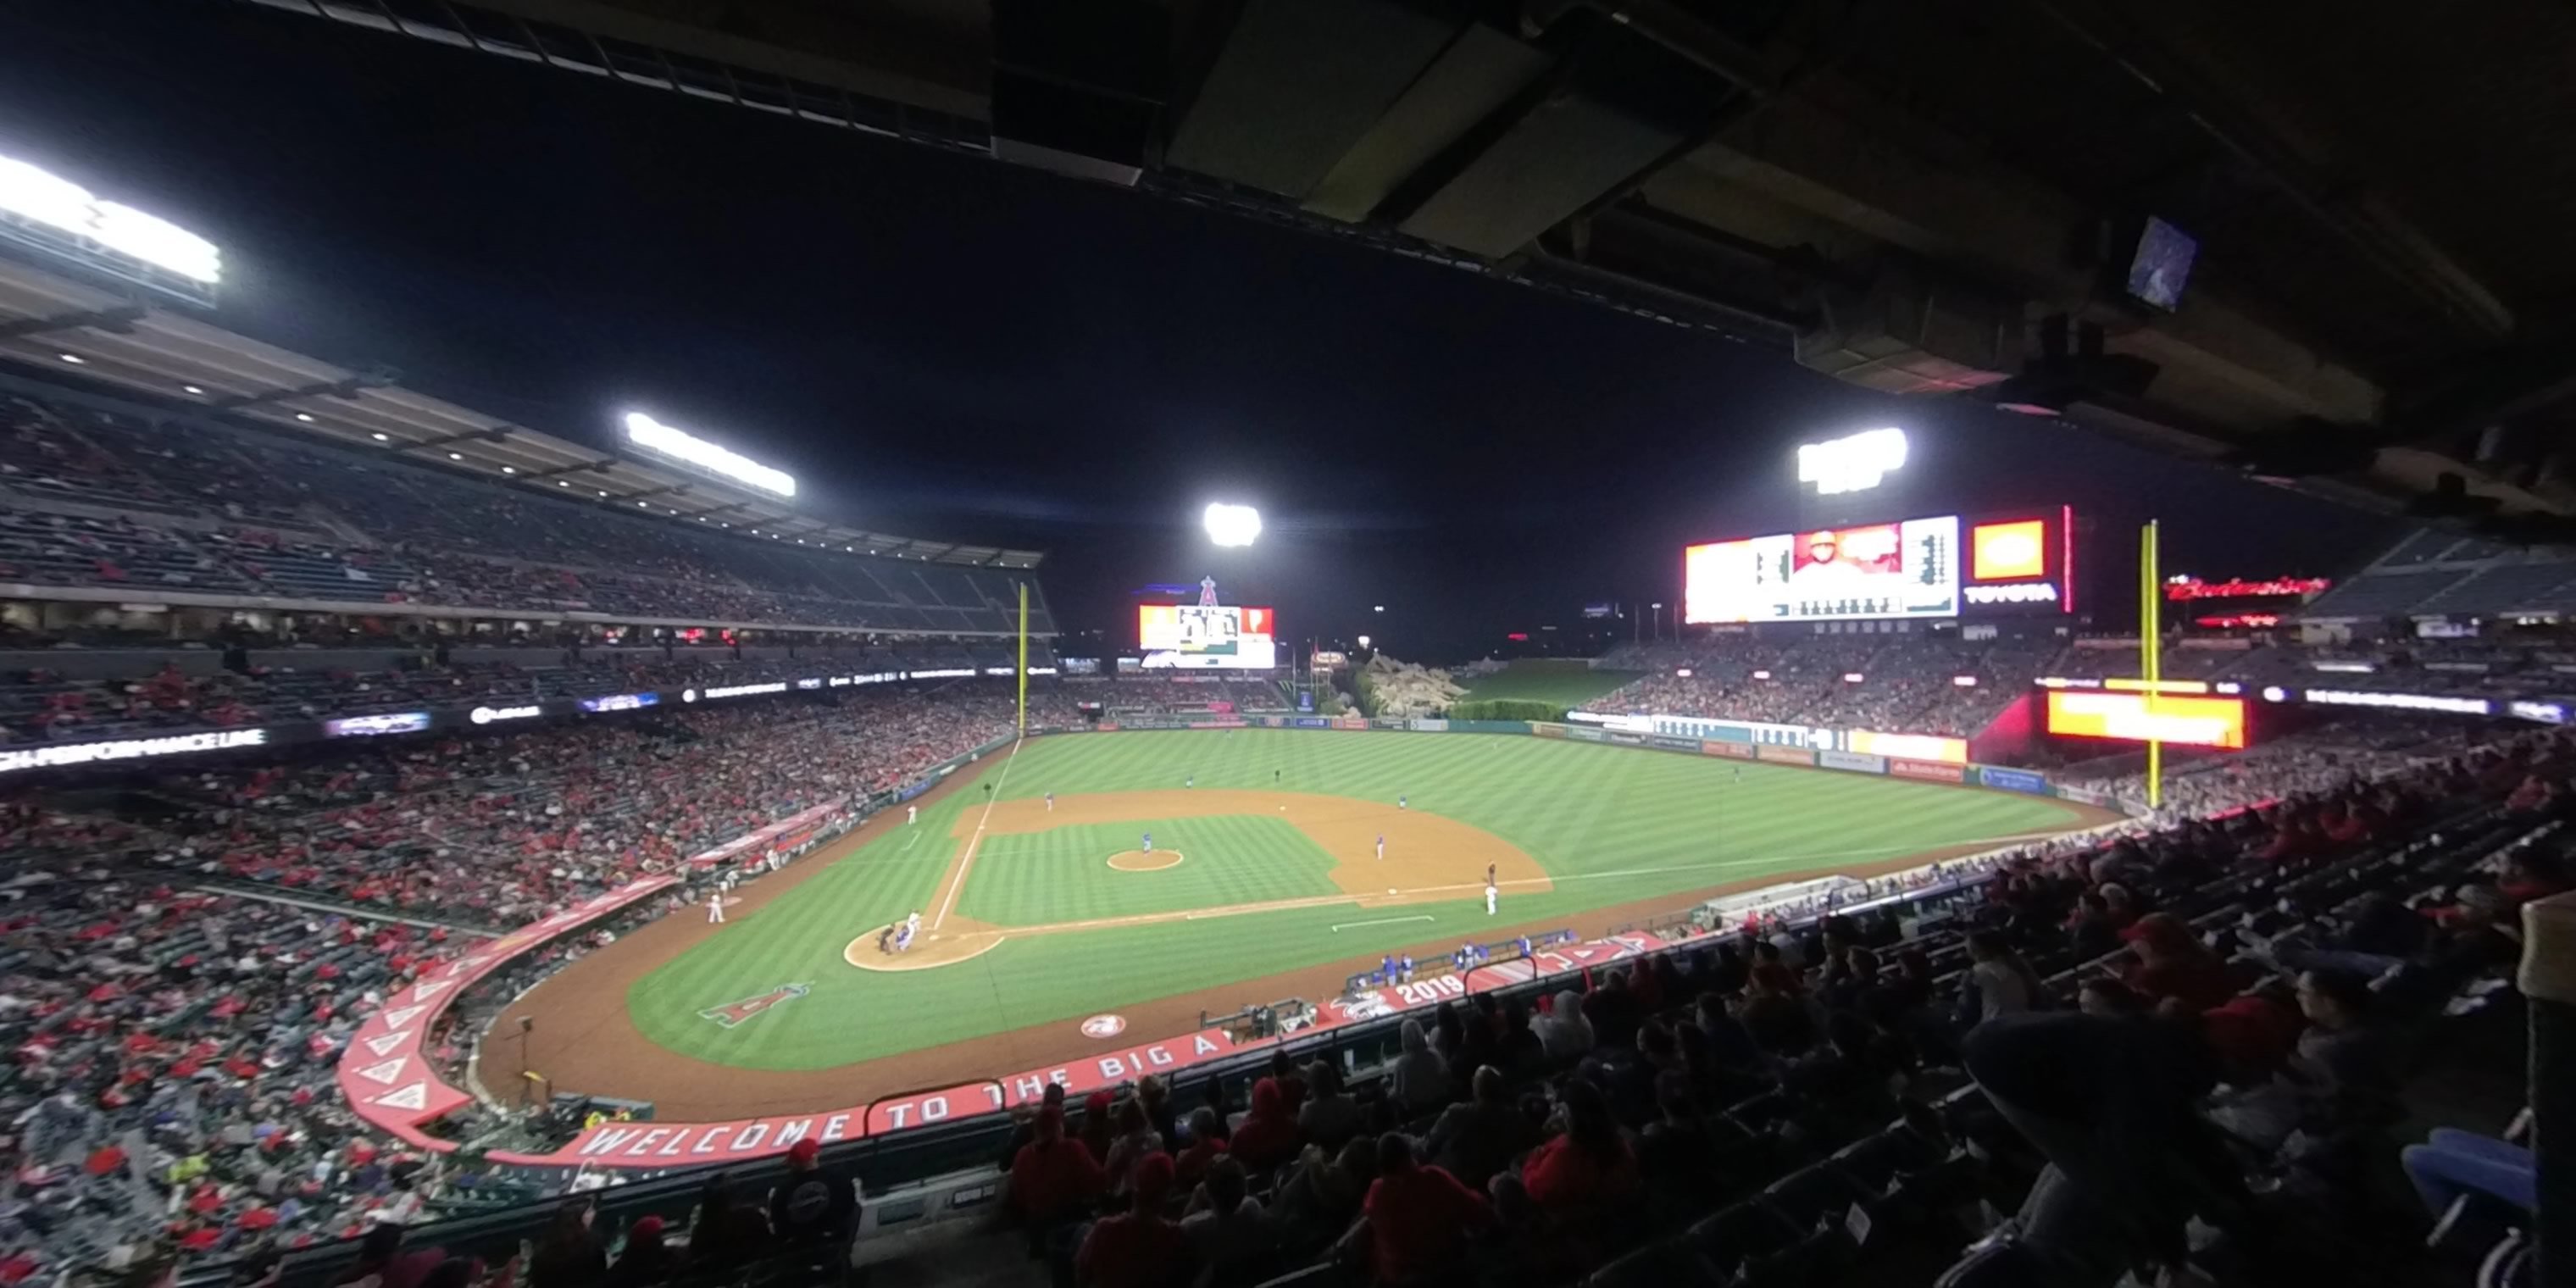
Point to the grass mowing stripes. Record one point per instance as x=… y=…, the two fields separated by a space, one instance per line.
x=1611 y=825
x=1036 y=879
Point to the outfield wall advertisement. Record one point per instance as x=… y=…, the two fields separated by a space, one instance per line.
x=1927 y=771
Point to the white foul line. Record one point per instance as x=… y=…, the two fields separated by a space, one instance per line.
x=1381 y=921
x=977 y=839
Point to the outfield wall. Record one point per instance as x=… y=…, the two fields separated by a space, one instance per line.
x=393 y=1086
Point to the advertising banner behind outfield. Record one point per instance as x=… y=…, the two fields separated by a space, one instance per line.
x=1547 y=729
x=1736 y=750
x=1786 y=755
x=1426 y=724
x=1928 y=771
x=1582 y=734
x=1670 y=743
x=1852 y=761
x=2012 y=780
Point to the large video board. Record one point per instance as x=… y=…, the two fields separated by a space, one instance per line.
x=1905 y=569
x=1205 y=637
x=2195 y=722
x=2020 y=563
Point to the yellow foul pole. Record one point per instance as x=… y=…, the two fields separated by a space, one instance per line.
x=2151 y=654
x=1024 y=658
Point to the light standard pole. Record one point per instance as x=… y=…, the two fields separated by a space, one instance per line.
x=1659 y=623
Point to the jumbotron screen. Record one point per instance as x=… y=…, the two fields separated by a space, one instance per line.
x=1903 y=569
x=2195 y=722
x=1203 y=637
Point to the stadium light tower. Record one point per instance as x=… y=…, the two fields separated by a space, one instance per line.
x=1232 y=525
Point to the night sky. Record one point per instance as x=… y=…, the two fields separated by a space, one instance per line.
x=955 y=348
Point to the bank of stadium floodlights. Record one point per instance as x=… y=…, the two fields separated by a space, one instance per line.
x=45 y=212
x=714 y=460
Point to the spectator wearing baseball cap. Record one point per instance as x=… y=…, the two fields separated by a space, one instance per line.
x=1138 y=1248
x=647 y=1259
x=813 y=1206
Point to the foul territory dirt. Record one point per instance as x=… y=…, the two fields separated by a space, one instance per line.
x=584 y=1040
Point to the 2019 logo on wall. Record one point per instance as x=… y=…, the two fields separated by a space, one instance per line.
x=1104 y=1026
x=732 y=1014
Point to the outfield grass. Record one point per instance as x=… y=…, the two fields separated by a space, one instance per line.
x=1611 y=825
x=1555 y=682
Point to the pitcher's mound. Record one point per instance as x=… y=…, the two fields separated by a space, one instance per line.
x=1144 y=860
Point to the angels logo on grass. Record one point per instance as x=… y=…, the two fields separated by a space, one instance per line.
x=1104 y=1026
x=733 y=1013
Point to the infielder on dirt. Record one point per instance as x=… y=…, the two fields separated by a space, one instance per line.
x=715 y=907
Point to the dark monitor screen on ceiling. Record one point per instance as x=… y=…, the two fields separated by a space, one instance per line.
x=2162 y=265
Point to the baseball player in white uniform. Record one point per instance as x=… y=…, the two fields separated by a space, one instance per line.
x=715 y=907
x=1491 y=893
x=911 y=815
x=1381 y=845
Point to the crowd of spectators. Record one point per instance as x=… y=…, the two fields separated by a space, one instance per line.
x=495 y=830
x=42 y=704
x=1910 y=682
x=1178 y=694
x=170 y=1054
x=89 y=498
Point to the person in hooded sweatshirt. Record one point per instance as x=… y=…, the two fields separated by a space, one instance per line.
x=1267 y=1136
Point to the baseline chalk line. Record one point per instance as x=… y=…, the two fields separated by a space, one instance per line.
x=1379 y=921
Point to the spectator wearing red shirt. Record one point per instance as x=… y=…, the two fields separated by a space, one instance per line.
x=1139 y=1248
x=1206 y=1146
x=2172 y=962
x=1419 y=1218
x=1587 y=1167
x=1267 y=1136
x=1054 y=1178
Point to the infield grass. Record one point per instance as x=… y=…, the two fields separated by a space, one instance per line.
x=1061 y=875
x=1611 y=825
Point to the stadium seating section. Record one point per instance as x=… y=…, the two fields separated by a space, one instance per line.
x=93 y=499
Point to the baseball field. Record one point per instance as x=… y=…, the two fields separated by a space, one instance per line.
x=1263 y=880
